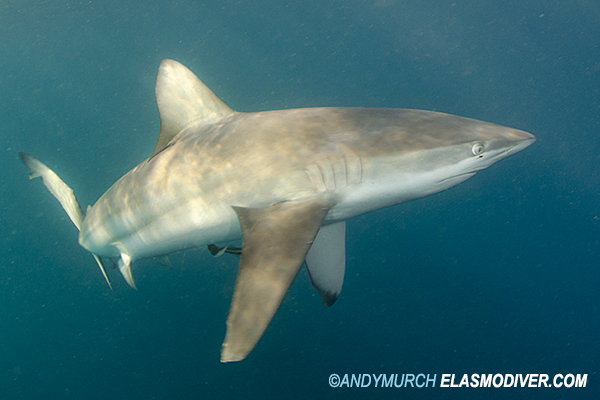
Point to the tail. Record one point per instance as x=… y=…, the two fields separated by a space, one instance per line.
x=63 y=193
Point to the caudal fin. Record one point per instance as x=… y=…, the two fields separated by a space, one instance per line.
x=56 y=186
x=63 y=193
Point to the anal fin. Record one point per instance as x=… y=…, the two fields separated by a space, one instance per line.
x=276 y=240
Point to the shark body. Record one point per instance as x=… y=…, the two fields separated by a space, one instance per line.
x=283 y=181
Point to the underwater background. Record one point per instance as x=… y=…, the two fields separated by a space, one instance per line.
x=500 y=274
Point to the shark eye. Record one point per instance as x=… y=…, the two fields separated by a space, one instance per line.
x=477 y=149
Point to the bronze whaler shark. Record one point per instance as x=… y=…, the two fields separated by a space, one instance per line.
x=283 y=181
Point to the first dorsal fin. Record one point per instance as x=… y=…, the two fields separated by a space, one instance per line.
x=182 y=100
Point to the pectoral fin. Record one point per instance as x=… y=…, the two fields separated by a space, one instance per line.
x=276 y=240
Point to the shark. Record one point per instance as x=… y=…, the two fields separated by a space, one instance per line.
x=282 y=181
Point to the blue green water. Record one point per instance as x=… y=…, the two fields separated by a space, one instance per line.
x=497 y=275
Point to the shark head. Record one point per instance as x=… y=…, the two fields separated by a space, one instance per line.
x=409 y=154
x=457 y=148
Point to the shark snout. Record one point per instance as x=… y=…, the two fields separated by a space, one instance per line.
x=523 y=144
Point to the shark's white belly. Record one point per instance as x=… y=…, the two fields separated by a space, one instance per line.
x=185 y=226
x=367 y=184
x=400 y=188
